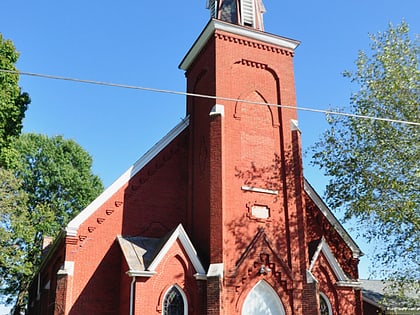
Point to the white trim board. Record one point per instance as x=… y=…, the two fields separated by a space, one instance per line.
x=250 y=33
x=180 y=234
x=342 y=278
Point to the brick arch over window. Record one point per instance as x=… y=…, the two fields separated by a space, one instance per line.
x=256 y=82
x=257 y=97
x=258 y=145
x=262 y=300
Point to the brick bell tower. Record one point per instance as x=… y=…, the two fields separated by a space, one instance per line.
x=245 y=207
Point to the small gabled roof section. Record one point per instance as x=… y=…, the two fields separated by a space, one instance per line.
x=139 y=252
x=342 y=278
x=380 y=294
x=144 y=254
x=357 y=252
x=73 y=226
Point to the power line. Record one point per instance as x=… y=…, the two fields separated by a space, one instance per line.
x=156 y=90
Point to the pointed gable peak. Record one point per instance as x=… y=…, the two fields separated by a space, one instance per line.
x=342 y=278
x=144 y=254
x=242 y=12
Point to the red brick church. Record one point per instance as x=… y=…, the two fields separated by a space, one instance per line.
x=217 y=217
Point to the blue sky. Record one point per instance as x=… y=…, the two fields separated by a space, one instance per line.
x=142 y=43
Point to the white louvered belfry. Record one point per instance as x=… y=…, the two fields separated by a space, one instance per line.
x=247 y=10
x=212 y=5
x=243 y=12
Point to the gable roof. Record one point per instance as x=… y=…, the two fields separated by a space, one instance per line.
x=375 y=293
x=144 y=254
x=73 y=226
x=357 y=252
x=342 y=278
x=138 y=251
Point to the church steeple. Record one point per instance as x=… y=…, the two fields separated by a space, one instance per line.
x=242 y=12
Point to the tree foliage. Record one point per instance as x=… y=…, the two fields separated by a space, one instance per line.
x=13 y=102
x=374 y=164
x=52 y=183
x=15 y=232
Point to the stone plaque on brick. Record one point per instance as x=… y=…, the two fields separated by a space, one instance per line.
x=260 y=212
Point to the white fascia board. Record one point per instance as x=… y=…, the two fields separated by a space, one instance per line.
x=349 y=283
x=250 y=33
x=199 y=276
x=315 y=256
x=333 y=220
x=216 y=270
x=343 y=280
x=140 y=273
x=73 y=226
x=180 y=234
x=325 y=249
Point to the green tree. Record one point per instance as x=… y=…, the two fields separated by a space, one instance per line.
x=55 y=176
x=15 y=232
x=374 y=165
x=13 y=103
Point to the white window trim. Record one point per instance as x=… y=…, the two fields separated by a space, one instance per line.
x=184 y=297
x=266 y=285
x=321 y=294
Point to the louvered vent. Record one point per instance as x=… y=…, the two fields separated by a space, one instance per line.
x=247 y=11
x=212 y=5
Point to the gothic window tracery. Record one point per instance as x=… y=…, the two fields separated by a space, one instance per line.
x=174 y=302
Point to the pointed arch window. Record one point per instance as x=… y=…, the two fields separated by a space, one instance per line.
x=324 y=305
x=174 y=302
x=262 y=300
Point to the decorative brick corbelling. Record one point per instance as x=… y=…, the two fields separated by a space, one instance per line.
x=259 y=253
x=253 y=64
x=100 y=220
x=159 y=162
x=253 y=44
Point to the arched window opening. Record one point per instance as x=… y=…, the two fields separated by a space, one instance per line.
x=229 y=11
x=174 y=303
x=324 y=305
x=262 y=300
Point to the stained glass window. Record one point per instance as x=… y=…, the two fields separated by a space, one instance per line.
x=173 y=303
x=323 y=305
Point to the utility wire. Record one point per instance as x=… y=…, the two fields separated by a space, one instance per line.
x=156 y=90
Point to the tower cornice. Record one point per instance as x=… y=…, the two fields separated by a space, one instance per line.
x=237 y=33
